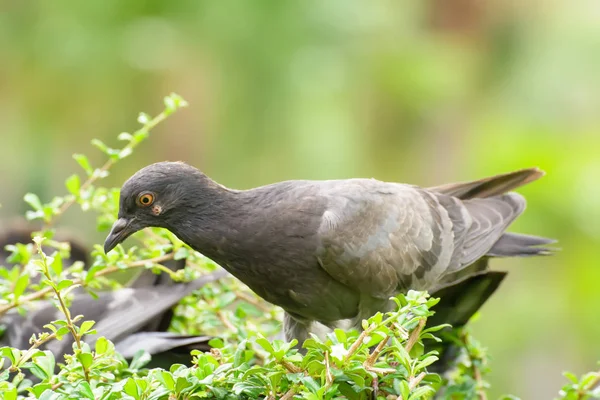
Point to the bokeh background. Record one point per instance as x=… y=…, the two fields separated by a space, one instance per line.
x=423 y=92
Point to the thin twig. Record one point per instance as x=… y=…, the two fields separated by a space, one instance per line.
x=97 y=174
x=414 y=382
x=414 y=335
x=373 y=356
x=381 y=371
x=328 y=374
x=228 y=324
x=27 y=355
x=355 y=346
x=63 y=306
x=108 y=270
x=581 y=393
x=289 y=394
x=480 y=393
x=291 y=367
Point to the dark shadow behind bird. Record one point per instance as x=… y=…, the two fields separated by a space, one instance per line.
x=134 y=318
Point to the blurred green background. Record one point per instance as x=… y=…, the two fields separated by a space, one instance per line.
x=423 y=92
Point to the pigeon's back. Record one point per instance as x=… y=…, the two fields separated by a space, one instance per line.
x=381 y=238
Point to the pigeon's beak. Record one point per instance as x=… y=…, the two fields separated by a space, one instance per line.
x=121 y=229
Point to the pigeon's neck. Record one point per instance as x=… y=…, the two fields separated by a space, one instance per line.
x=239 y=229
x=213 y=219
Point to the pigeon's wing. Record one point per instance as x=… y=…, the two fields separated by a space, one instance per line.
x=381 y=237
x=117 y=314
x=131 y=309
x=159 y=342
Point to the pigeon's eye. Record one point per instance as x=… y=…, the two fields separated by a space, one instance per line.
x=145 y=199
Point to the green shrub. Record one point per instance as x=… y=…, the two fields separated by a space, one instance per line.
x=389 y=359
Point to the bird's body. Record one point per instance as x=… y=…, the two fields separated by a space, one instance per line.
x=327 y=251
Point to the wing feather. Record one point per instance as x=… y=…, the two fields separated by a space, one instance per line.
x=389 y=237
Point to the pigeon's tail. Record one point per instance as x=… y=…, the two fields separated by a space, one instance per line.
x=490 y=186
x=509 y=244
x=519 y=245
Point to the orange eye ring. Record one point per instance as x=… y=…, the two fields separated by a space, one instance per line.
x=145 y=199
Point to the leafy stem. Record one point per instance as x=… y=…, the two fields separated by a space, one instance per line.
x=63 y=307
x=109 y=270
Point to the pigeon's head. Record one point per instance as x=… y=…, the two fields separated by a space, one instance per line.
x=155 y=196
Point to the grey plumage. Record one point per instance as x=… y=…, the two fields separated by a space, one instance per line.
x=327 y=251
x=133 y=318
x=119 y=315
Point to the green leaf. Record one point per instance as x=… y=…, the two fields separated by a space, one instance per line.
x=126 y=151
x=65 y=283
x=140 y=135
x=126 y=136
x=73 y=184
x=84 y=163
x=86 y=359
x=34 y=201
x=167 y=379
x=131 y=388
x=181 y=253
x=265 y=344
x=11 y=353
x=140 y=358
x=38 y=389
x=45 y=364
x=103 y=345
x=143 y=118
x=57 y=265
x=84 y=389
x=85 y=327
x=100 y=145
x=21 y=285
x=10 y=394
x=426 y=362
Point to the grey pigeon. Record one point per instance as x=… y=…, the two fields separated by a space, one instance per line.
x=134 y=318
x=334 y=250
x=118 y=314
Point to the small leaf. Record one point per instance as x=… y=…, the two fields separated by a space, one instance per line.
x=65 y=283
x=84 y=163
x=57 y=265
x=85 y=327
x=143 y=118
x=21 y=285
x=10 y=393
x=86 y=359
x=84 y=389
x=125 y=152
x=34 y=201
x=45 y=363
x=126 y=136
x=131 y=388
x=100 y=145
x=73 y=183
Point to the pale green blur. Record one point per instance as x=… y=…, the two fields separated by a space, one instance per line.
x=423 y=92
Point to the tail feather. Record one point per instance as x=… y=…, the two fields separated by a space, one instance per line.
x=490 y=186
x=520 y=245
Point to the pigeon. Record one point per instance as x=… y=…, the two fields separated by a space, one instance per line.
x=135 y=318
x=333 y=252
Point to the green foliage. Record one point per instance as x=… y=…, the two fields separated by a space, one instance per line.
x=389 y=359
